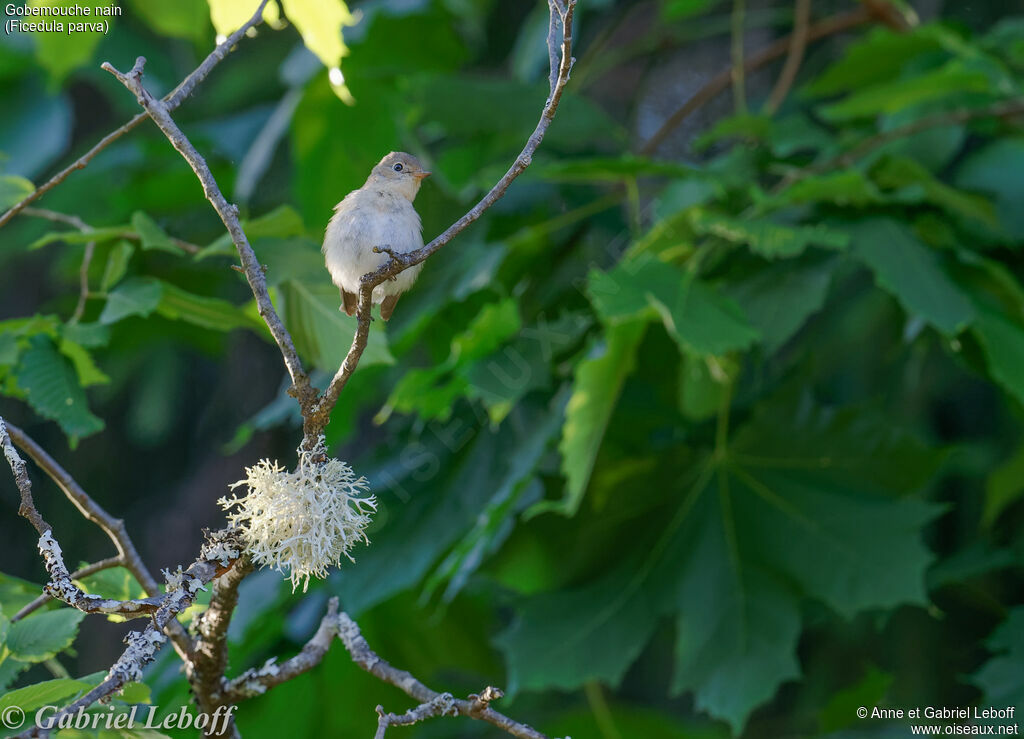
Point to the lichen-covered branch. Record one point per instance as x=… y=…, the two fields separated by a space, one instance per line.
x=476 y=706
x=259 y=680
x=42 y=600
x=114 y=528
x=172 y=100
x=561 y=67
x=182 y=588
x=228 y=213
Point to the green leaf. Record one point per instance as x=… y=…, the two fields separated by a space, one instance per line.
x=803 y=502
x=117 y=264
x=322 y=333
x=696 y=315
x=45 y=693
x=16 y=593
x=99 y=235
x=779 y=299
x=489 y=329
x=281 y=223
x=71 y=46
x=9 y=350
x=212 y=313
x=43 y=634
x=596 y=386
x=52 y=389
x=997 y=169
x=674 y=10
x=152 y=236
x=183 y=19
x=841 y=709
x=1004 y=486
x=846 y=188
x=229 y=15
x=1002 y=677
x=764 y=237
x=917 y=184
x=136 y=296
x=88 y=373
x=13 y=189
x=612 y=169
x=1002 y=341
x=321 y=22
x=878 y=57
x=912 y=272
x=91 y=335
x=896 y=95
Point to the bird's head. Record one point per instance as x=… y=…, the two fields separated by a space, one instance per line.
x=399 y=172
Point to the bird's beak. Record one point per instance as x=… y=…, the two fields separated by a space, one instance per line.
x=421 y=175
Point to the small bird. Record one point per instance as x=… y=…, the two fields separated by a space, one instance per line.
x=378 y=214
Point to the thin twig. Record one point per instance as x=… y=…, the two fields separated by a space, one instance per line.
x=172 y=100
x=738 y=72
x=721 y=81
x=71 y=220
x=795 y=56
x=317 y=420
x=475 y=707
x=259 y=680
x=442 y=705
x=42 y=600
x=114 y=528
x=228 y=213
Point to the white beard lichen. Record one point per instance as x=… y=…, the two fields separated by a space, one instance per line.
x=302 y=522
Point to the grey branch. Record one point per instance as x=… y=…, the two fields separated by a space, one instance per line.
x=259 y=680
x=42 y=600
x=114 y=528
x=442 y=705
x=228 y=213
x=172 y=100
x=475 y=707
x=561 y=68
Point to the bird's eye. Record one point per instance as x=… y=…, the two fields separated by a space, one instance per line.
x=397 y=167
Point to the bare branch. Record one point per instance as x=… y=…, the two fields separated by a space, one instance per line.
x=797 y=46
x=476 y=707
x=721 y=81
x=172 y=100
x=42 y=600
x=228 y=213
x=561 y=68
x=259 y=680
x=114 y=528
x=442 y=705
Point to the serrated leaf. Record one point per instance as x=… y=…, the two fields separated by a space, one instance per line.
x=597 y=383
x=766 y=238
x=153 y=237
x=320 y=22
x=52 y=389
x=45 y=693
x=13 y=189
x=117 y=264
x=913 y=183
x=1002 y=677
x=696 y=315
x=89 y=335
x=212 y=313
x=778 y=300
x=846 y=188
x=896 y=95
x=784 y=513
x=88 y=373
x=322 y=333
x=136 y=296
x=912 y=272
x=43 y=634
